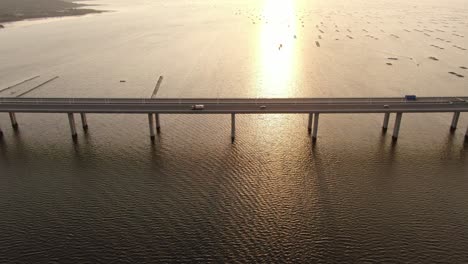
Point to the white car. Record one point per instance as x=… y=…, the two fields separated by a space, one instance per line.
x=198 y=107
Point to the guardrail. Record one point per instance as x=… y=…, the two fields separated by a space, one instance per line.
x=370 y=100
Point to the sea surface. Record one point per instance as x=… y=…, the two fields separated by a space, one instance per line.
x=272 y=196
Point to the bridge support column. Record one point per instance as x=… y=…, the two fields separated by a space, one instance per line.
x=151 y=126
x=385 y=121
x=456 y=117
x=309 y=124
x=84 y=121
x=71 y=120
x=233 y=127
x=14 y=123
x=315 y=131
x=396 y=128
x=158 y=124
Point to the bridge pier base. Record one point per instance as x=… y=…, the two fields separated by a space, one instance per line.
x=315 y=130
x=158 y=124
x=14 y=123
x=456 y=117
x=151 y=126
x=71 y=120
x=396 y=128
x=84 y=121
x=385 y=121
x=309 y=124
x=233 y=127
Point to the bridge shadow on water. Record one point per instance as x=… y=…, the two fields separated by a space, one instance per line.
x=265 y=192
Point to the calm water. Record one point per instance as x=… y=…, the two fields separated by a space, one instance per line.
x=271 y=196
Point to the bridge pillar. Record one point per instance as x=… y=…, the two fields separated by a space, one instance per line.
x=315 y=131
x=385 y=121
x=456 y=117
x=396 y=128
x=158 y=124
x=233 y=127
x=71 y=120
x=84 y=121
x=14 y=123
x=309 y=124
x=151 y=126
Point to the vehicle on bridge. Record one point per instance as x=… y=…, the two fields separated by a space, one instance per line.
x=198 y=107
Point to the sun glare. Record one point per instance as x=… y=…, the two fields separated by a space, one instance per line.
x=277 y=48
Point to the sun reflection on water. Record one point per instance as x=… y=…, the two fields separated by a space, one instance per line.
x=277 y=51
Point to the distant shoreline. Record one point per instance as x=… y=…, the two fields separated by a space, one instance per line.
x=18 y=10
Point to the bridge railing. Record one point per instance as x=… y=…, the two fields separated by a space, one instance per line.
x=256 y=101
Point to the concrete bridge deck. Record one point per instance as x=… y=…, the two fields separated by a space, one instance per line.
x=220 y=106
x=233 y=106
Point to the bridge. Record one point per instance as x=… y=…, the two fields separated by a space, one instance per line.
x=234 y=106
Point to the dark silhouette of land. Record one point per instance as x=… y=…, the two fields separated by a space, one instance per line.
x=16 y=10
